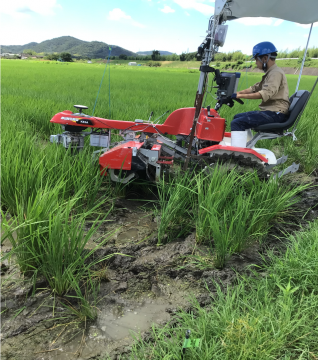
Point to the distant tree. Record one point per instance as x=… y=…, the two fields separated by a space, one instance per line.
x=123 y=57
x=29 y=52
x=53 y=57
x=183 y=57
x=295 y=53
x=238 y=55
x=307 y=60
x=155 y=55
x=175 y=57
x=65 y=56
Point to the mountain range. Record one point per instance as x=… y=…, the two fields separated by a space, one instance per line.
x=76 y=47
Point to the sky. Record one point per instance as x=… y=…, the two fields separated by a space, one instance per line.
x=141 y=25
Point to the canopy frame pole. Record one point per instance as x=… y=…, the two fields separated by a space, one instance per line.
x=304 y=58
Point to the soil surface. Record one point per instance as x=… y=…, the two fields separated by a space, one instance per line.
x=143 y=284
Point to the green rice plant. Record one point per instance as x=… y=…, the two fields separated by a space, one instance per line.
x=30 y=220
x=32 y=225
x=54 y=245
x=62 y=258
x=244 y=216
x=86 y=298
x=228 y=210
x=214 y=190
x=175 y=199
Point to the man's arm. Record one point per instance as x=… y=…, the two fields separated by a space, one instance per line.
x=247 y=91
x=250 y=95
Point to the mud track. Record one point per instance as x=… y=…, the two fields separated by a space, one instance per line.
x=147 y=285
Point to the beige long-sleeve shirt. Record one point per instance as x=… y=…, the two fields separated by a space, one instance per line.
x=274 y=90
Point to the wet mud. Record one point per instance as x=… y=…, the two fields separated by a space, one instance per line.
x=141 y=288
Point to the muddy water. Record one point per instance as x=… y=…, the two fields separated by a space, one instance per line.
x=114 y=327
x=138 y=290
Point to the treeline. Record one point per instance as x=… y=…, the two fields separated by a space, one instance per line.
x=312 y=53
x=239 y=56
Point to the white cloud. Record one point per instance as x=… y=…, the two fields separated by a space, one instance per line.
x=251 y=21
x=278 y=22
x=119 y=15
x=25 y=8
x=198 y=5
x=167 y=9
x=305 y=26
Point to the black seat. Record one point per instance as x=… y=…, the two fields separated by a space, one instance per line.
x=297 y=104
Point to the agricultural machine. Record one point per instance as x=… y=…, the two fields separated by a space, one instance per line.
x=199 y=136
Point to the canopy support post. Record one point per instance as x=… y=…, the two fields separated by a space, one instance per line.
x=304 y=58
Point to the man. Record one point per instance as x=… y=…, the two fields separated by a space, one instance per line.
x=272 y=90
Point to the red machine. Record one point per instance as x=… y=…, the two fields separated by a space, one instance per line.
x=145 y=147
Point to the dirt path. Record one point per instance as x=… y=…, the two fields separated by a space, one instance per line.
x=144 y=287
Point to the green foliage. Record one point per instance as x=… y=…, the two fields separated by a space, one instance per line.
x=29 y=52
x=67 y=57
x=183 y=57
x=123 y=56
x=226 y=209
x=53 y=57
x=153 y=63
x=155 y=55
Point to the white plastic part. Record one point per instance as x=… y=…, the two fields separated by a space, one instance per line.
x=219 y=5
x=99 y=140
x=226 y=141
x=269 y=155
x=55 y=139
x=220 y=35
x=249 y=134
x=238 y=138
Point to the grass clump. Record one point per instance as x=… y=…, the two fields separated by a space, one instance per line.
x=263 y=317
x=228 y=210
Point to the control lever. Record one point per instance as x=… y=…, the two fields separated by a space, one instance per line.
x=239 y=101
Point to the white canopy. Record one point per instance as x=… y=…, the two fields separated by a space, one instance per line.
x=300 y=11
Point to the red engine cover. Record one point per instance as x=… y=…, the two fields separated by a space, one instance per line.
x=210 y=127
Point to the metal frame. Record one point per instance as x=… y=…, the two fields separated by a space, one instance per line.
x=304 y=58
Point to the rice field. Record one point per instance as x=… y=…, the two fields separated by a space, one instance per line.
x=49 y=196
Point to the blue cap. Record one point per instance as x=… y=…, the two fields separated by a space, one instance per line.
x=263 y=48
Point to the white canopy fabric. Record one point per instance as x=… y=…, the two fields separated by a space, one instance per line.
x=300 y=11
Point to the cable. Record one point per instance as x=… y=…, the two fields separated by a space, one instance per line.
x=110 y=50
x=110 y=113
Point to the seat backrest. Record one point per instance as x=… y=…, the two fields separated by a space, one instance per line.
x=297 y=104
